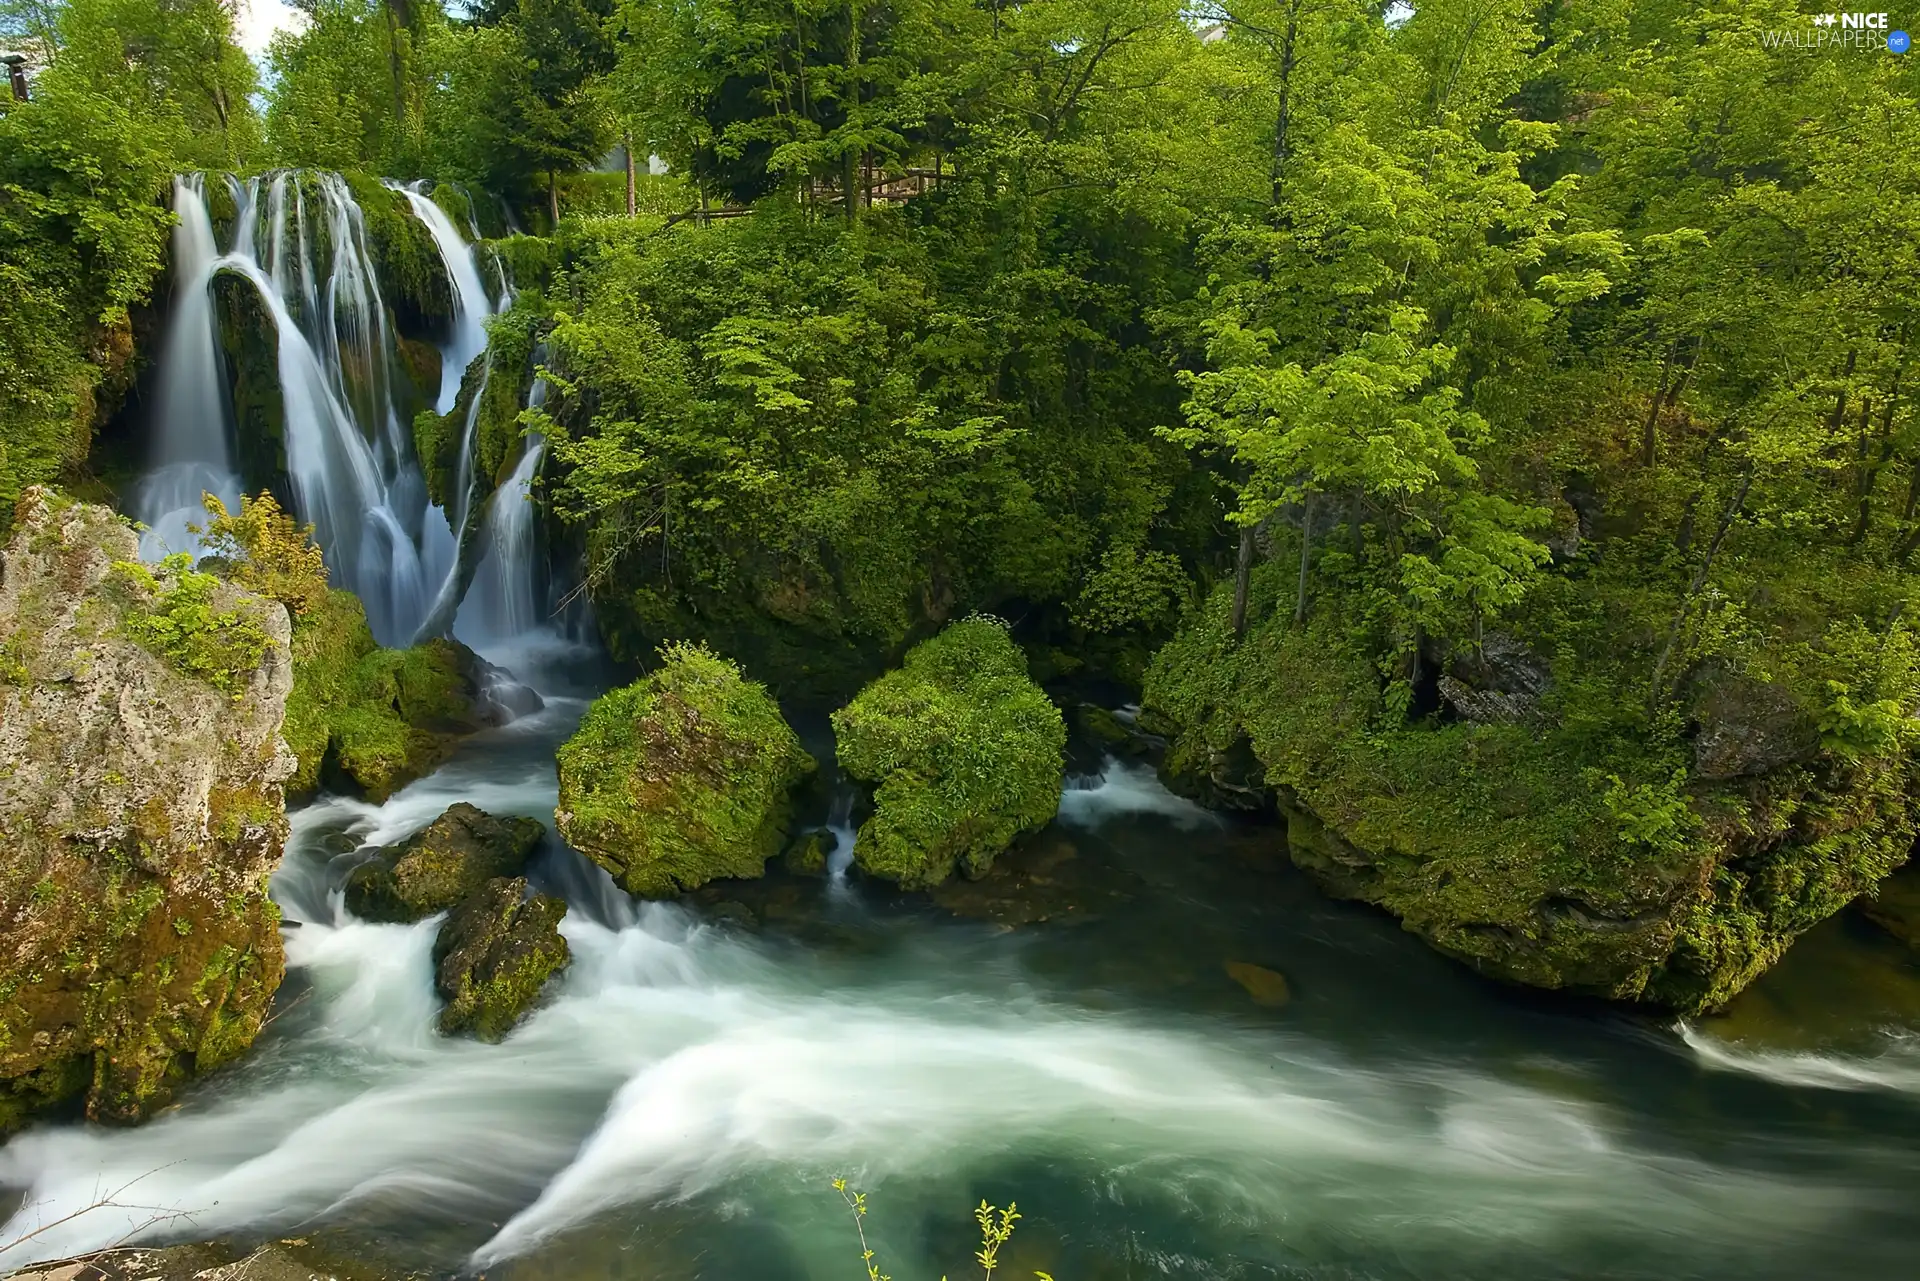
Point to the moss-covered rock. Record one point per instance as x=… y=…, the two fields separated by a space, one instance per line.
x=494 y=954
x=413 y=278
x=249 y=340
x=680 y=778
x=141 y=767
x=1666 y=869
x=441 y=864
x=965 y=750
x=1894 y=905
x=370 y=718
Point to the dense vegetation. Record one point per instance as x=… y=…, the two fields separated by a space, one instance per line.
x=964 y=752
x=1502 y=407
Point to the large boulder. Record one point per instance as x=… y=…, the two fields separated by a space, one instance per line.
x=371 y=720
x=1895 y=905
x=1498 y=679
x=441 y=864
x=1540 y=850
x=680 y=778
x=494 y=954
x=141 y=813
x=965 y=753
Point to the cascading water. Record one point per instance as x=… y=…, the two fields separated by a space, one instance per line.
x=192 y=454
x=503 y=600
x=300 y=241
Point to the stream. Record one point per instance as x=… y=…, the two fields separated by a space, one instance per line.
x=1064 y=1034
x=1146 y=1027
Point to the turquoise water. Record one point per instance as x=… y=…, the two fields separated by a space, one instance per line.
x=1069 y=1034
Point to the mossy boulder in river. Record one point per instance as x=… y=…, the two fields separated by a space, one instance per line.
x=441 y=864
x=494 y=954
x=141 y=767
x=682 y=777
x=965 y=750
x=1538 y=842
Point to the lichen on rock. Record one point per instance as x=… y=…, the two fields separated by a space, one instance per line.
x=965 y=752
x=141 y=768
x=495 y=952
x=441 y=864
x=682 y=777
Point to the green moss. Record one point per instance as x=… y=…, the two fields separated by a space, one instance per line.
x=680 y=778
x=381 y=716
x=966 y=750
x=413 y=279
x=496 y=951
x=438 y=866
x=1550 y=852
x=172 y=614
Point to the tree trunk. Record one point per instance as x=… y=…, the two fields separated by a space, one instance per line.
x=1242 y=577
x=1306 y=550
x=851 y=163
x=553 y=200
x=632 y=205
x=1700 y=577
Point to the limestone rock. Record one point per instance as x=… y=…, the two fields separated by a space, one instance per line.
x=1498 y=680
x=141 y=767
x=443 y=863
x=681 y=778
x=493 y=955
x=1748 y=727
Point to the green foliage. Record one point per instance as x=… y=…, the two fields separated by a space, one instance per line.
x=173 y=614
x=964 y=749
x=266 y=551
x=137 y=90
x=996 y=1229
x=681 y=777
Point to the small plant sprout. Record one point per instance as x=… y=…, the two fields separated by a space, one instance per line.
x=996 y=1226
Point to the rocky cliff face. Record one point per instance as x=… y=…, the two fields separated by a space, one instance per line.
x=141 y=766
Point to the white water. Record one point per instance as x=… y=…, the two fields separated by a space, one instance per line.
x=349 y=453
x=504 y=598
x=197 y=456
x=1896 y=1067
x=1127 y=789
x=471 y=305
x=678 y=1062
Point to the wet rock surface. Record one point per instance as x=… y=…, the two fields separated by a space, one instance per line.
x=438 y=866
x=494 y=954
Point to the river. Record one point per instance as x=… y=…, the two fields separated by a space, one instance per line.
x=1066 y=1034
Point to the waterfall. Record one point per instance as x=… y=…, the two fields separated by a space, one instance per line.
x=193 y=454
x=471 y=306
x=504 y=600
x=299 y=241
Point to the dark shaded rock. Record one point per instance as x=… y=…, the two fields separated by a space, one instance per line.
x=493 y=955
x=1220 y=778
x=1748 y=727
x=1895 y=905
x=498 y=698
x=807 y=856
x=1499 y=680
x=443 y=863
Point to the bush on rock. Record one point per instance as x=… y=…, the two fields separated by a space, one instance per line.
x=965 y=750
